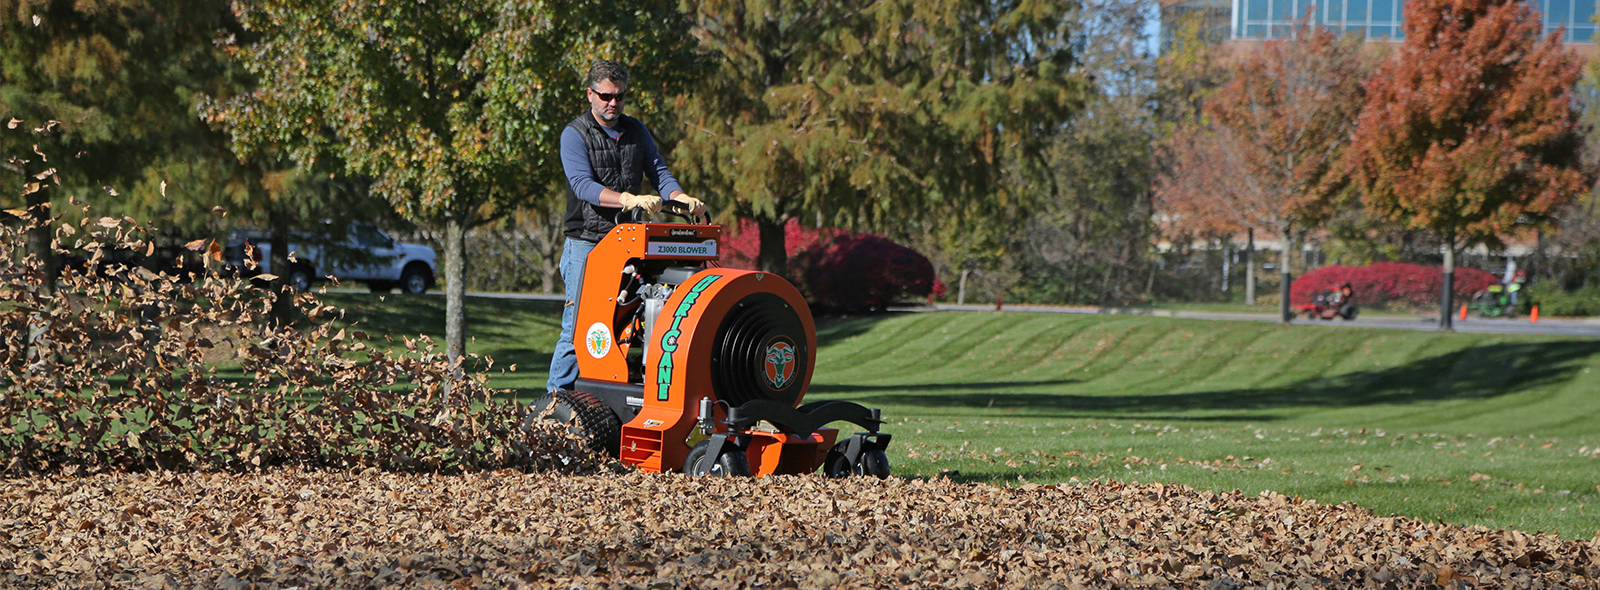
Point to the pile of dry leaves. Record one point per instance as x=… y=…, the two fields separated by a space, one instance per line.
x=109 y=365
x=296 y=528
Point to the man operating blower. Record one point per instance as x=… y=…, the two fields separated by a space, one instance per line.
x=684 y=365
x=607 y=156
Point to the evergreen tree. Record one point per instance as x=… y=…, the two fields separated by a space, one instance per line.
x=869 y=113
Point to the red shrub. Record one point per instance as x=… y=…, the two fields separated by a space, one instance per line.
x=863 y=271
x=1390 y=283
x=841 y=270
x=742 y=249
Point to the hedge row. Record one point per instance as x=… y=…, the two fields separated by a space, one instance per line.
x=841 y=270
x=1391 y=284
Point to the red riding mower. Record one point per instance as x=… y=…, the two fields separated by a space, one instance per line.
x=687 y=366
x=1332 y=303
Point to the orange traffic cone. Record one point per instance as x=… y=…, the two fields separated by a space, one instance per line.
x=1463 y=312
x=1535 y=315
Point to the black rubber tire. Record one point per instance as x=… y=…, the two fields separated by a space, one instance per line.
x=872 y=462
x=584 y=415
x=732 y=463
x=415 y=280
x=1350 y=314
x=380 y=286
x=837 y=465
x=875 y=463
x=299 y=278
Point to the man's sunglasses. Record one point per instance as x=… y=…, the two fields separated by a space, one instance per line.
x=606 y=97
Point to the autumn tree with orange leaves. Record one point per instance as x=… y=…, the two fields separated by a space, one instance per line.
x=1267 y=155
x=1469 y=133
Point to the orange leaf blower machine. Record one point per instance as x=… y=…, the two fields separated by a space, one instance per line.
x=686 y=366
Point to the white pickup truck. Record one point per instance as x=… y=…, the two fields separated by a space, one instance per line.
x=361 y=252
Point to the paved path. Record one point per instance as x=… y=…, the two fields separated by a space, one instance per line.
x=439 y=293
x=1561 y=327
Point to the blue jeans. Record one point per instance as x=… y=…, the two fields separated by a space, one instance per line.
x=564 y=362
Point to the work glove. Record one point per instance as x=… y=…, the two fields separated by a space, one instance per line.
x=649 y=203
x=695 y=206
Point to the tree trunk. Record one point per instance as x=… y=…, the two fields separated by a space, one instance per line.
x=549 y=239
x=38 y=245
x=1250 y=266
x=773 y=256
x=1287 y=278
x=38 y=204
x=961 y=293
x=1541 y=258
x=1447 y=286
x=455 y=288
x=283 y=296
x=1227 y=259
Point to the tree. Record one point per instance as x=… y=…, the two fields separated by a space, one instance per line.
x=1091 y=243
x=1191 y=67
x=114 y=83
x=1277 y=132
x=1470 y=132
x=1577 y=236
x=867 y=113
x=453 y=108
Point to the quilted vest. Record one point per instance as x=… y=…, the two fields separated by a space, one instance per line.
x=618 y=165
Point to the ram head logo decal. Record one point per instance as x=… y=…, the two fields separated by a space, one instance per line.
x=780 y=362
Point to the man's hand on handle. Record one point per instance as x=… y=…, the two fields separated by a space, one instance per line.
x=649 y=203
x=696 y=208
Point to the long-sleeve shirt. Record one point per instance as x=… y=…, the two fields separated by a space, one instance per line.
x=575 y=161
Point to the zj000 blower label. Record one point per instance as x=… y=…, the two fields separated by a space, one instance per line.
x=669 y=341
x=707 y=248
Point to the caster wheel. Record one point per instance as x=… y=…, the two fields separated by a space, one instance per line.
x=873 y=462
x=732 y=463
x=837 y=465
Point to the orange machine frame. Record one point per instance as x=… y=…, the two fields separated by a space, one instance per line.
x=677 y=373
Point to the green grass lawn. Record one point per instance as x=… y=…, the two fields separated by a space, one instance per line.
x=1502 y=431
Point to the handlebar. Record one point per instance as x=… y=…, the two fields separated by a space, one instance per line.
x=680 y=209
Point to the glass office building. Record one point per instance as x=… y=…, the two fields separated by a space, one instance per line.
x=1275 y=19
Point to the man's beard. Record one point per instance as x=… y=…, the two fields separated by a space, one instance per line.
x=601 y=113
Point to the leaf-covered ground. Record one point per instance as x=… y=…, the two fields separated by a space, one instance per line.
x=293 y=528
